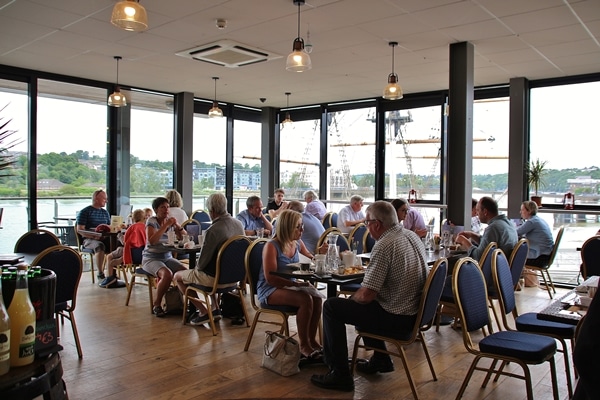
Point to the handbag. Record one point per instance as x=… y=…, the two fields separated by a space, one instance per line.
x=172 y=301
x=281 y=354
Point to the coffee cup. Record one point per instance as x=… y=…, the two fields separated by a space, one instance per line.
x=349 y=259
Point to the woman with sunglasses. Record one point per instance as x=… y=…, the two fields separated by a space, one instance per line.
x=284 y=249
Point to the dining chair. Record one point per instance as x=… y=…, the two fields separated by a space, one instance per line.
x=517 y=261
x=35 y=241
x=521 y=348
x=543 y=270
x=230 y=269
x=427 y=309
x=528 y=322
x=139 y=276
x=590 y=257
x=129 y=269
x=448 y=305
x=326 y=221
x=200 y=216
x=357 y=238
x=193 y=228
x=341 y=240
x=253 y=264
x=68 y=267
x=84 y=252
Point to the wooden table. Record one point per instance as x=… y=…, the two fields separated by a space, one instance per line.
x=41 y=378
x=112 y=237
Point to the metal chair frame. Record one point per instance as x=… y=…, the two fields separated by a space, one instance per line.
x=543 y=271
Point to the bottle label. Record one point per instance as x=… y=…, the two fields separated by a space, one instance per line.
x=27 y=342
x=4 y=357
x=4 y=343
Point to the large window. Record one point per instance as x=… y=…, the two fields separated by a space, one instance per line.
x=246 y=163
x=151 y=144
x=71 y=147
x=350 y=156
x=13 y=146
x=299 y=157
x=209 y=158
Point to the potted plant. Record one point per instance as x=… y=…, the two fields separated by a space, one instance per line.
x=536 y=170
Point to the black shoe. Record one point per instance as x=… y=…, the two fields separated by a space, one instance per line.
x=334 y=380
x=374 y=365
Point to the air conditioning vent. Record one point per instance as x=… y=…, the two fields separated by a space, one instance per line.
x=228 y=53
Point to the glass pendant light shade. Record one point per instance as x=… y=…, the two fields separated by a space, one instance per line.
x=117 y=99
x=298 y=60
x=130 y=15
x=215 y=111
x=288 y=120
x=393 y=91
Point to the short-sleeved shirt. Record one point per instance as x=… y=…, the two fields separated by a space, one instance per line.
x=397 y=271
x=316 y=208
x=91 y=217
x=313 y=229
x=273 y=206
x=348 y=214
x=156 y=252
x=249 y=222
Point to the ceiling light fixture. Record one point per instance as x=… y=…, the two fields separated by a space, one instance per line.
x=298 y=60
x=215 y=111
x=130 y=15
x=117 y=99
x=287 y=121
x=392 y=91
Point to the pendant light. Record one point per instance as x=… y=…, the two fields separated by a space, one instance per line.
x=298 y=60
x=215 y=111
x=117 y=99
x=392 y=91
x=287 y=121
x=130 y=15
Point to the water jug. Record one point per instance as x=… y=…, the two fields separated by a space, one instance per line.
x=333 y=256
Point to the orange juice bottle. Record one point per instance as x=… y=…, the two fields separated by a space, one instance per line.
x=22 y=319
x=4 y=336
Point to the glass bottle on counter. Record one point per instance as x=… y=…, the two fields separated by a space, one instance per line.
x=22 y=318
x=4 y=336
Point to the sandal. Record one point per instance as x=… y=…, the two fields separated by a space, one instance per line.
x=314 y=358
x=158 y=311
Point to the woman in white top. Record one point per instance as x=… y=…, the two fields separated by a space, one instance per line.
x=175 y=204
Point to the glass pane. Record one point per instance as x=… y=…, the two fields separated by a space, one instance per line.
x=209 y=158
x=490 y=149
x=351 y=156
x=13 y=146
x=71 y=147
x=151 y=143
x=299 y=158
x=246 y=163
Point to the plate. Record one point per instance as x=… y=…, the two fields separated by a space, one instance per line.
x=305 y=273
x=350 y=276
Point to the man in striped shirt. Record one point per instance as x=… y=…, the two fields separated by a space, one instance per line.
x=87 y=220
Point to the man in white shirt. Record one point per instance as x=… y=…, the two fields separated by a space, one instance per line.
x=351 y=215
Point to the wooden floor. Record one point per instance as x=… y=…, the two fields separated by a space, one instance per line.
x=130 y=354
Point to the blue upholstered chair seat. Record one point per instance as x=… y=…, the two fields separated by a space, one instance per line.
x=524 y=346
x=219 y=290
x=350 y=287
x=529 y=322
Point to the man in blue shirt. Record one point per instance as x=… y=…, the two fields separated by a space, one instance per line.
x=87 y=220
x=253 y=218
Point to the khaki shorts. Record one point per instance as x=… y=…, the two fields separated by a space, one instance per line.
x=200 y=278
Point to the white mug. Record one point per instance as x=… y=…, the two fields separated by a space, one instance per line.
x=348 y=259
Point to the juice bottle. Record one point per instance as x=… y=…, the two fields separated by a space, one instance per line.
x=4 y=337
x=22 y=319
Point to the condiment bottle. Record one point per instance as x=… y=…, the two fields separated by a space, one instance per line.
x=4 y=336
x=22 y=318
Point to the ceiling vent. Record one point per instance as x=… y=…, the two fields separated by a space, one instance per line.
x=228 y=53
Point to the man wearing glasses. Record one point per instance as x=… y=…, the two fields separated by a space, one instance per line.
x=388 y=299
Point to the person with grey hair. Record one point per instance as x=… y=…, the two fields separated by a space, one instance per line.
x=87 y=220
x=388 y=299
x=253 y=218
x=313 y=228
x=351 y=215
x=222 y=228
x=314 y=206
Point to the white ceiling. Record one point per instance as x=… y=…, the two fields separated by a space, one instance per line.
x=351 y=57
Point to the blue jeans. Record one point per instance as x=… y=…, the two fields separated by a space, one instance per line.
x=337 y=312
